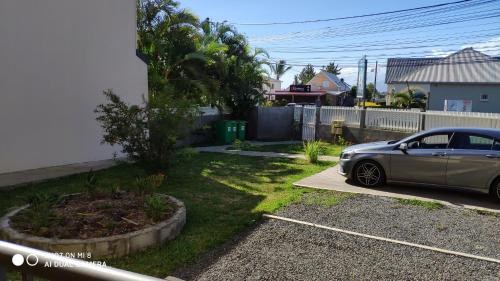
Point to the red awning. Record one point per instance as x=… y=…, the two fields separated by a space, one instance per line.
x=286 y=93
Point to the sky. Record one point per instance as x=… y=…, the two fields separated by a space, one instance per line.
x=438 y=31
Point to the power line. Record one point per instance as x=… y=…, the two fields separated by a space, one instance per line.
x=378 y=30
x=386 y=56
x=399 y=47
x=411 y=40
x=358 y=16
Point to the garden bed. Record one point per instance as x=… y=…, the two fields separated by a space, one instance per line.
x=91 y=234
x=83 y=216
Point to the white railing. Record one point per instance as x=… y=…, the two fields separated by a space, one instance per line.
x=408 y=120
x=437 y=119
x=350 y=115
x=393 y=119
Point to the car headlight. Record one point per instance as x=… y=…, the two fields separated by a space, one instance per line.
x=346 y=155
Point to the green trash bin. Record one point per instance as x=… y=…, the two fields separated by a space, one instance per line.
x=225 y=131
x=241 y=130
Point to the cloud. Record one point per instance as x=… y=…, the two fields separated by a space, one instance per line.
x=490 y=47
x=439 y=53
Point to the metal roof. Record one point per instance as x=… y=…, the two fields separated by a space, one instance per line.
x=399 y=67
x=464 y=66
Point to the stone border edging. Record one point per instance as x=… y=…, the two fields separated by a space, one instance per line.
x=111 y=246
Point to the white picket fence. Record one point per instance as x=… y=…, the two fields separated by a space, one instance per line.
x=393 y=119
x=349 y=115
x=437 y=119
x=408 y=120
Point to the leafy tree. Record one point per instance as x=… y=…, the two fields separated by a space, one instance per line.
x=333 y=68
x=279 y=68
x=369 y=91
x=167 y=36
x=238 y=71
x=354 y=91
x=307 y=74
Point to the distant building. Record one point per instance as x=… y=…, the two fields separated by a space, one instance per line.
x=272 y=85
x=468 y=79
x=325 y=89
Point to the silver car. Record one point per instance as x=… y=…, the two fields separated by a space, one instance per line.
x=453 y=157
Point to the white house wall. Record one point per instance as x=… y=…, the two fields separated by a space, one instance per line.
x=56 y=58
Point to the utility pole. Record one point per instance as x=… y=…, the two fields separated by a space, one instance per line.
x=375 y=82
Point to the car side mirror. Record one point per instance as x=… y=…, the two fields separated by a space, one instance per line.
x=403 y=147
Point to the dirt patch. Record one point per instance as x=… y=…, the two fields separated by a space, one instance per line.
x=84 y=216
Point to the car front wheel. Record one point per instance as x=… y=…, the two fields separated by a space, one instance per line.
x=369 y=174
x=495 y=190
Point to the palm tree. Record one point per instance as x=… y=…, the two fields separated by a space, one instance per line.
x=410 y=100
x=279 y=68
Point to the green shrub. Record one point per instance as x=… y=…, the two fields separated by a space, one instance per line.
x=341 y=141
x=155 y=207
x=148 y=132
x=312 y=150
x=149 y=184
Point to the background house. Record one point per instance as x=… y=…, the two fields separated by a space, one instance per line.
x=57 y=58
x=272 y=85
x=336 y=89
x=325 y=89
x=467 y=78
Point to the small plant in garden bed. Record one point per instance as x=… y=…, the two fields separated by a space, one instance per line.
x=149 y=184
x=312 y=150
x=96 y=213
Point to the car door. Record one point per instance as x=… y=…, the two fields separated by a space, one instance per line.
x=424 y=161
x=473 y=161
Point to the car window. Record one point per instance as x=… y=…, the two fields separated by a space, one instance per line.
x=437 y=141
x=471 y=141
x=496 y=145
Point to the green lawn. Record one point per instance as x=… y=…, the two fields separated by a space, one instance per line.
x=297 y=148
x=224 y=194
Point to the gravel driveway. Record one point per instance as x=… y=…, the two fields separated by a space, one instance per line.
x=278 y=250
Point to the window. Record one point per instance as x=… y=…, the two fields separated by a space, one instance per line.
x=484 y=98
x=496 y=145
x=326 y=84
x=471 y=141
x=272 y=86
x=438 y=141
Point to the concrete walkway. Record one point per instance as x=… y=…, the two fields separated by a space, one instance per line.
x=329 y=179
x=224 y=149
x=10 y=181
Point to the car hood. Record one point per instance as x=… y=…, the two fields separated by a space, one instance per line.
x=369 y=146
